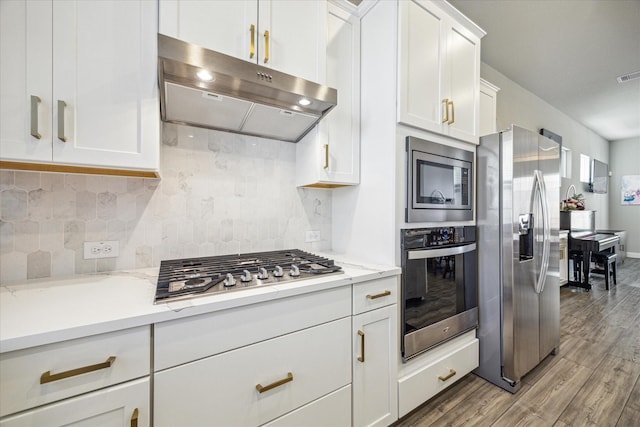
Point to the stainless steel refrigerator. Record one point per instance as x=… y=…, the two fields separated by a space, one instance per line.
x=518 y=257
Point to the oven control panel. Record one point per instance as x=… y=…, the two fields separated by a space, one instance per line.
x=437 y=236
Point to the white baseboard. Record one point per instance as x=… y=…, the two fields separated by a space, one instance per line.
x=633 y=254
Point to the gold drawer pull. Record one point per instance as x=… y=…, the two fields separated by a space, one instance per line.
x=61 y=107
x=446 y=110
x=47 y=377
x=252 y=48
x=134 y=418
x=361 y=357
x=266 y=46
x=262 y=389
x=451 y=373
x=376 y=296
x=326 y=156
x=453 y=113
x=34 y=117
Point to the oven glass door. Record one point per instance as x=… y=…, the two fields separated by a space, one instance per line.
x=441 y=182
x=438 y=284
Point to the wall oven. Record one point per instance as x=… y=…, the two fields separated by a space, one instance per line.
x=439 y=286
x=439 y=182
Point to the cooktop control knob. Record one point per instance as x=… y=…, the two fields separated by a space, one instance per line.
x=262 y=273
x=295 y=271
x=246 y=276
x=278 y=271
x=229 y=281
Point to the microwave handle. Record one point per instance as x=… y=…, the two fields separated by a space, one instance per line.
x=432 y=253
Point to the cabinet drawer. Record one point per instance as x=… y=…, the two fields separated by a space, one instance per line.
x=318 y=360
x=421 y=385
x=22 y=372
x=121 y=405
x=332 y=410
x=374 y=294
x=184 y=340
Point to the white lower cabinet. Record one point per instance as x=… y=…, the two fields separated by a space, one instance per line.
x=375 y=364
x=118 y=406
x=431 y=373
x=99 y=380
x=375 y=352
x=255 y=384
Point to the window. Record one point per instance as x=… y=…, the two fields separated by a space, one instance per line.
x=585 y=168
x=565 y=163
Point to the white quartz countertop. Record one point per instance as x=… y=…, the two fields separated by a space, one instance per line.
x=43 y=311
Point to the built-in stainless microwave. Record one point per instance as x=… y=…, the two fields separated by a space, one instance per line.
x=439 y=182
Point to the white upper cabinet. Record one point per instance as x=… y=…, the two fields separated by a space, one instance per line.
x=25 y=80
x=284 y=35
x=488 y=104
x=79 y=85
x=439 y=70
x=333 y=158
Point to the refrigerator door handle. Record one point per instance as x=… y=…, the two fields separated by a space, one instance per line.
x=540 y=191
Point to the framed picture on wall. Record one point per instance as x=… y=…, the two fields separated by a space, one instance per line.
x=630 y=190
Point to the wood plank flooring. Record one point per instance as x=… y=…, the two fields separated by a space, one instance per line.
x=593 y=381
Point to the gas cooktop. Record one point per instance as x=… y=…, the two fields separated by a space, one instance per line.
x=186 y=278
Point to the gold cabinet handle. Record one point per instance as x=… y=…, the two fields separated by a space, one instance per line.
x=451 y=374
x=376 y=296
x=47 y=377
x=61 y=106
x=446 y=110
x=453 y=112
x=266 y=46
x=262 y=389
x=34 y=117
x=326 y=156
x=252 y=48
x=134 y=418
x=361 y=357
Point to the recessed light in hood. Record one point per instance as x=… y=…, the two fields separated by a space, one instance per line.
x=239 y=96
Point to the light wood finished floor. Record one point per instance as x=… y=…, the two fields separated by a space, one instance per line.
x=594 y=380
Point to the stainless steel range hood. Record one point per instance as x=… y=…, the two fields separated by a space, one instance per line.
x=237 y=96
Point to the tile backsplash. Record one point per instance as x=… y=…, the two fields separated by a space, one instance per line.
x=220 y=193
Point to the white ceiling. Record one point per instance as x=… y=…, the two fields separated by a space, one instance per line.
x=569 y=53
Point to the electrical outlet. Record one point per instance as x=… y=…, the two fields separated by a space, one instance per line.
x=312 y=236
x=102 y=249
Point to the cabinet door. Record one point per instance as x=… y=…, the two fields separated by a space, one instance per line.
x=119 y=406
x=297 y=37
x=463 y=81
x=331 y=156
x=221 y=25
x=488 y=101
x=105 y=90
x=421 y=99
x=275 y=376
x=25 y=71
x=375 y=364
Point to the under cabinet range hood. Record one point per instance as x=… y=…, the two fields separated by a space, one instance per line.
x=203 y=88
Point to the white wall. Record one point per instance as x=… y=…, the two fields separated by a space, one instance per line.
x=364 y=217
x=516 y=105
x=625 y=160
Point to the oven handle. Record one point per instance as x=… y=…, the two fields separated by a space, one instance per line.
x=431 y=253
